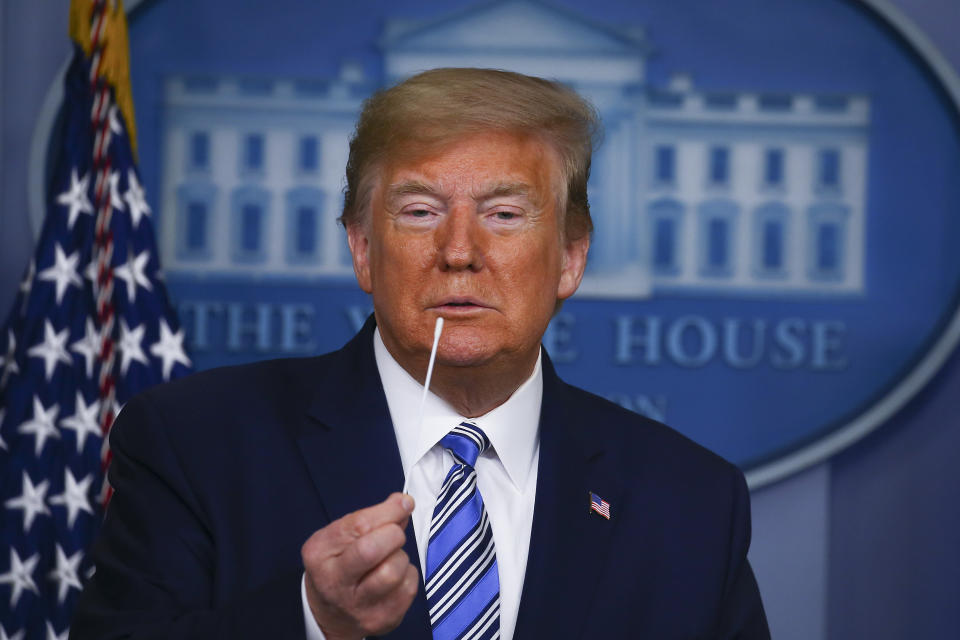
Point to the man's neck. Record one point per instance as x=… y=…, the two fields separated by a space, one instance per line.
x=475 y=391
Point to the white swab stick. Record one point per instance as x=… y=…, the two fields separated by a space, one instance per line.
x=437 y=330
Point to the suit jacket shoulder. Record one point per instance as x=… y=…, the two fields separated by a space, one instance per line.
x=670 y=562
x=218 y=479
x=645 y=445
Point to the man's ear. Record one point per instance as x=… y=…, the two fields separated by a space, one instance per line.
x=572 y=266
x=359 y=240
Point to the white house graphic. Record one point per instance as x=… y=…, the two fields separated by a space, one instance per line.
x=721 y=193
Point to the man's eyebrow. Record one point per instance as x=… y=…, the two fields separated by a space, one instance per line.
x=506 y=189
x=417 y=187
x=410 y=187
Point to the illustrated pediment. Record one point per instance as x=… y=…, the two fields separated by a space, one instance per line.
x=511 y=25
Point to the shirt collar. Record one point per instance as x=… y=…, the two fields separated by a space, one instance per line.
x=513 y=427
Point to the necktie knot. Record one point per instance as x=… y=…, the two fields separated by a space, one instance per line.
x=466 y=442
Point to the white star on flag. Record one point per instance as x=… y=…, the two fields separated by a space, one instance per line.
x=115 y=200
x=9 y=360
x=27 y=283
x=114 y=120
x=76 y=198
x=74 y=496
x=3 y=635
x=90 y=273
x=43 y=425
x=3 y=443
x=51 y=349
x=52 y=634
x=136 y=198
x=130 y=347
x=20 y=575
x=88 y=347
x=132 y=272
x=83 y=421
x=31 y=500
x=63 y=272
x=66 y=573
x=169 y=348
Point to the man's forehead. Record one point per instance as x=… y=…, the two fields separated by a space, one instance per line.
x=495 y=163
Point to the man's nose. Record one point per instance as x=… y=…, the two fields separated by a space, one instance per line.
x=459 y=240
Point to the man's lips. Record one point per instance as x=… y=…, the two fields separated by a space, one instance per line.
x=460 y=302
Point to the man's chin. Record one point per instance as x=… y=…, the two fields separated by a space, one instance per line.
x=463 y=357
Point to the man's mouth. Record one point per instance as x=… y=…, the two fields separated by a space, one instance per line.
x=460 y=303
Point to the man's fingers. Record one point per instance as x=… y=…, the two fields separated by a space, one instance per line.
x=359 y=580
x=395 y=509
x=387 y=608
x=336 y=537
x=384 y=577
x=368 y=551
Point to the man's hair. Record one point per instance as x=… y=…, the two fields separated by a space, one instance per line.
x=437 y=107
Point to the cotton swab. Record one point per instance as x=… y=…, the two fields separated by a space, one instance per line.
x=437 y=330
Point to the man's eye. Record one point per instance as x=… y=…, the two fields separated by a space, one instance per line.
x=506 y=215
x=418 y=213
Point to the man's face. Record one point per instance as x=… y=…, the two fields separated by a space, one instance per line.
x=472 y=233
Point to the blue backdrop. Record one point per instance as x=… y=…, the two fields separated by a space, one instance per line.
x=870 y=550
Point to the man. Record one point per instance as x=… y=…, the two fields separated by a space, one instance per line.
x=263 y=500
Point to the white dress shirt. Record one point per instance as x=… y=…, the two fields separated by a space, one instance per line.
x=506 y=472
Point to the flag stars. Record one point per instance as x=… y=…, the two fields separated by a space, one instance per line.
x=43 y=424
x=114 y=119
x=20 y=576
x=91 y=272
x=16 y=636
x=136 y=198
x=51 y=350
x=74 y=497
x=131 y=346
x=75 y=198
x=115 y=200
x=63 y=272
x=83 y=421
x=88 y=347
x=8 y=360
x=52 y=634
x=133 y=273
x=31 y=500
x=169 y=349
x=27 y=283
x=65 y=574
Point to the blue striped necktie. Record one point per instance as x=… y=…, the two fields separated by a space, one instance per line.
x=463 y=588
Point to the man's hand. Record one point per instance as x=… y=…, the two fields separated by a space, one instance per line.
x=359 y=580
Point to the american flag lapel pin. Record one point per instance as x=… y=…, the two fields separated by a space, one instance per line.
x=599 y=505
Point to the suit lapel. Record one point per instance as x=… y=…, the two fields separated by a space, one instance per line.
x=568 y=543
x=350 y=449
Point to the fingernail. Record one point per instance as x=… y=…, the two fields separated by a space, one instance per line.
x=407 y=503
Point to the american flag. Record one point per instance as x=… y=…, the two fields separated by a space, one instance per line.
x=90 y=326
x=599 y=505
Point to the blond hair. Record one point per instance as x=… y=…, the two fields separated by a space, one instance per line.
x=436 y=107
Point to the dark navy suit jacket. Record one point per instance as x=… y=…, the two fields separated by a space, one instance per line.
x=220 y=478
